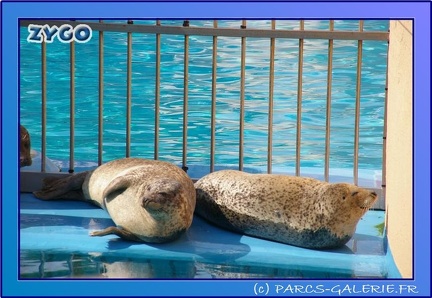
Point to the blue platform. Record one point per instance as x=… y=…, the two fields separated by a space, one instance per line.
x=55 y=242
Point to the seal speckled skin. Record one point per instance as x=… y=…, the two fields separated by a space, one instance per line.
x=148 y=200
x=299 y=211
x=25 y=148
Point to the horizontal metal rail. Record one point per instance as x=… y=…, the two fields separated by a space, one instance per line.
x=227 y=32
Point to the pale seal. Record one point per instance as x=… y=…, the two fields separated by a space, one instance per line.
x=25 y=148
x=298 y=211
x=149 y=201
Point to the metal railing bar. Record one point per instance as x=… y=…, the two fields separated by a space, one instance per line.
x=328 y=105
x=72 y=107
x=129 y=93
x=299 y=101
x=101 y=96
x=357 y=106
x=227 y=32
x=267 y=33
x=185 y=98
x=213 y=103
x=157 y=94
x=44 y=100
x=270 y=108
x=384 y=160
x=242 y=97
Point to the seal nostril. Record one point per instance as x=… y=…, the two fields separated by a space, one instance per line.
x=144 y=202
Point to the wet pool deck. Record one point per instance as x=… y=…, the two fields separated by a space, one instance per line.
x=62 y=227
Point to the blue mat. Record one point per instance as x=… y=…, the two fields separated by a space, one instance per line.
x=55 y=242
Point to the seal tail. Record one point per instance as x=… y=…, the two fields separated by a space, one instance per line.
x=69 y=188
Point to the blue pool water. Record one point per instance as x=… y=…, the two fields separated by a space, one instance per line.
x=228 y=98
x=54 y=239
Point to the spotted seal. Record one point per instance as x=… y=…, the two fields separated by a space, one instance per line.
x=149 y=201
x=298 y=211
x=25 y=148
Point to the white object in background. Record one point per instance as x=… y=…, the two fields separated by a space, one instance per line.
x=50 y=165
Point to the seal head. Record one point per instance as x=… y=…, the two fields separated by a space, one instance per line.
x=161 y=195
x=25 y=148
x=339 y=198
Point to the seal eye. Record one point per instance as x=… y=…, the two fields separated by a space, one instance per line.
x=167 y=194
x=343 y=198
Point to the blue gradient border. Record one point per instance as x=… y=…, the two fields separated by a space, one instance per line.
x=12 y=11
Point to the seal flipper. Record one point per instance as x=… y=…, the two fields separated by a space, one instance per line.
x=69 y=188
x=118 y=184
x=122 y=233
